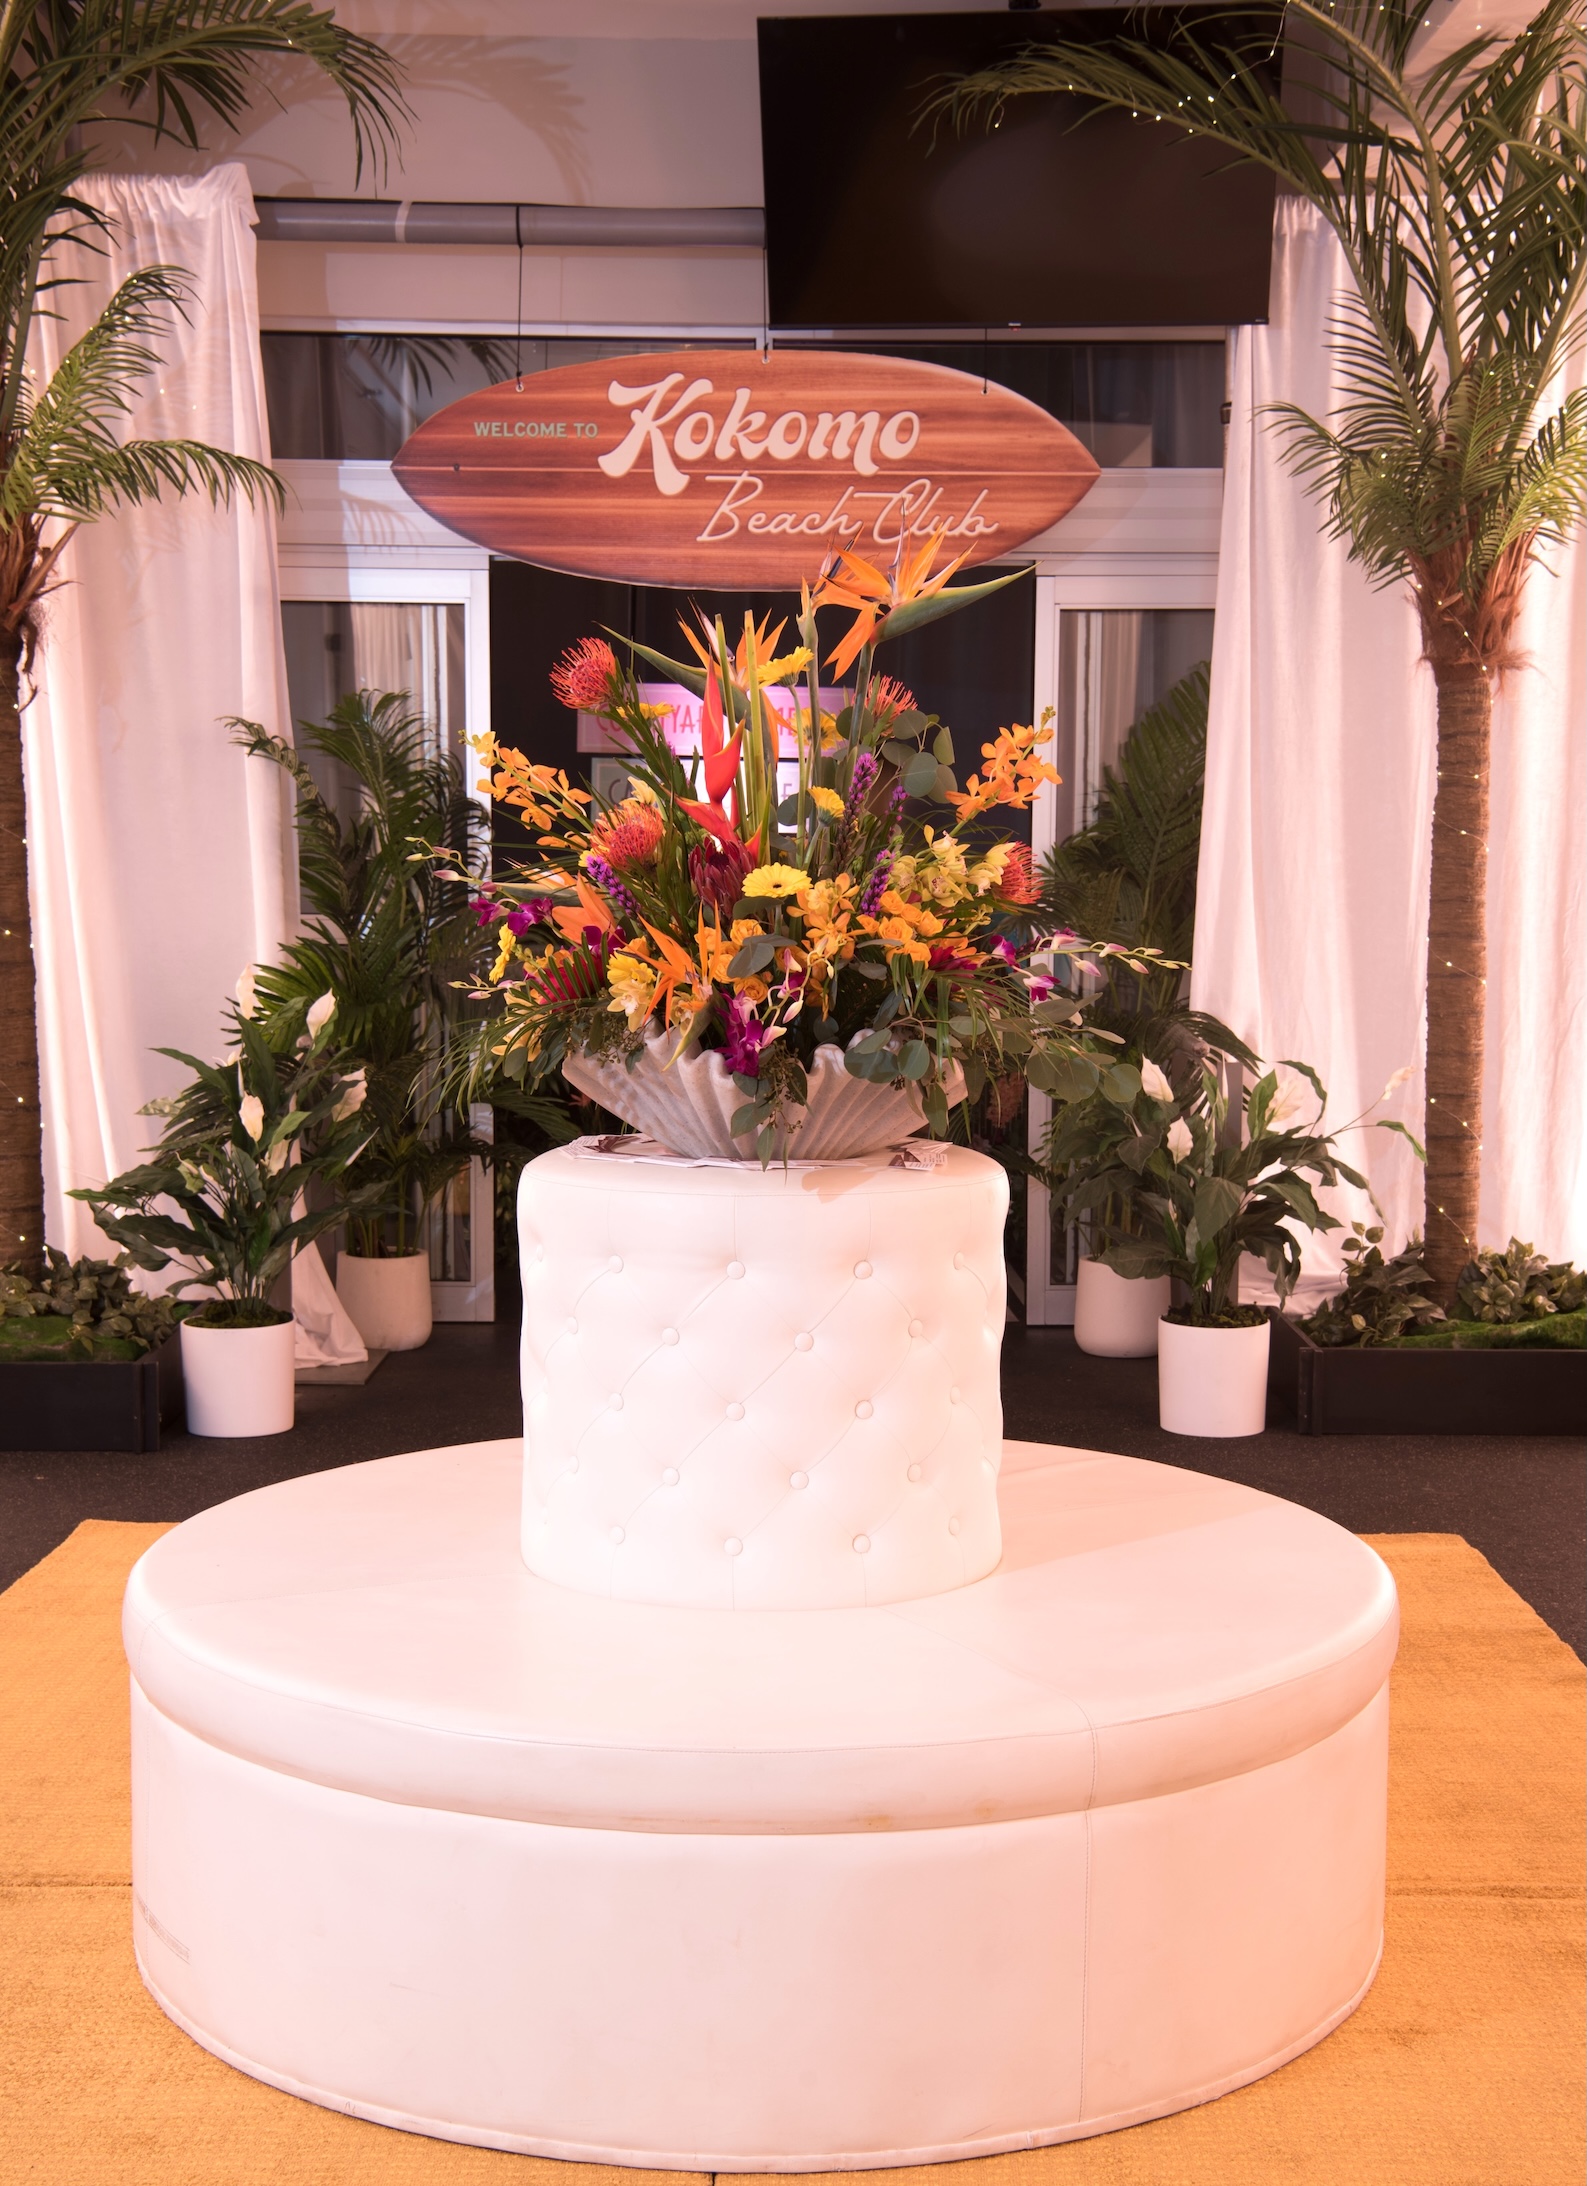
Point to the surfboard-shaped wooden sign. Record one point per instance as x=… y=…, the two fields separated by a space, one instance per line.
x=728 y=467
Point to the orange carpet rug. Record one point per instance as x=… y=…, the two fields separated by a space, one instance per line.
x=1462 y=2068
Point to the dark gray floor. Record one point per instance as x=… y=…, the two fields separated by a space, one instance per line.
x=1520 y=1500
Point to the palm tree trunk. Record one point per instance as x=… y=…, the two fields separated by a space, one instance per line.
x=21 y=1145
x=1457 y=970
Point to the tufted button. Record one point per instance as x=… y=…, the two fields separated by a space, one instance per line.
x=986 y=1465
x=953 y=1394
x=617 y=1536
x=614 y=1266
x=953 y=1525
x=958 y=1259
x=914 y=1472
x=862 y=1544
x=573 y=1326
x=573 y=1464
x=798 y=1480
x=735 y=1268
x=615 y=1401
x=864 y=1408
x=862 y=1268
x=669 y=1478
x=803 y=1341
x=732 y=1546
x=735 y=1411
x=669 y=1335
x=917 y=1328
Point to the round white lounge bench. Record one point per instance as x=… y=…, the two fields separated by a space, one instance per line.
x=422 y=1837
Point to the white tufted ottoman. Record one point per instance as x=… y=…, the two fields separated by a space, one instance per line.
x=762 y=1388
x=421 y=1836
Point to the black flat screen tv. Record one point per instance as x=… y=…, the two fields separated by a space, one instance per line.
x=1066 y=215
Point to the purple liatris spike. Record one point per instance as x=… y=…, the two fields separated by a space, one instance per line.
x=617 y=894
x=865 y=772
x=876 y=887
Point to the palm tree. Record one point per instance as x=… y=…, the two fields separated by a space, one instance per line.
x=64 y=65
x=1458 y=197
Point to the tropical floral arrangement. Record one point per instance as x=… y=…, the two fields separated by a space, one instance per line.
x=874 y=908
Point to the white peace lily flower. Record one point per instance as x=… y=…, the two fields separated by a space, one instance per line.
x=1295 y=1096
x=276 y=1160
x=1399 y=1078
x=1155 y=1082
x=320 y=1014
x=354 y=1093
x=251 y=1112
x=1180 y=1138
x=247 y=996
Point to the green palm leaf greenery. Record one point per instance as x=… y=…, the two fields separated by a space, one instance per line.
x=166 y=66
x=222 y=1191
x=1458 y=196
x=390 y=934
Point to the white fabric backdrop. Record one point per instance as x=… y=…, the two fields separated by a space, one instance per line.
x=1312 y=908
x=160 y=856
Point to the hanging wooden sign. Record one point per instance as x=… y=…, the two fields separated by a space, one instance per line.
x=732 y=468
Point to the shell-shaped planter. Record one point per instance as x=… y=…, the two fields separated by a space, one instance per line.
x=689 y=1106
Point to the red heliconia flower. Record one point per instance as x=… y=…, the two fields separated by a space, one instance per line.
x=890 y=697
x=585 y=675
x=565 y=977
x=629 y=835
x=718 y=873
x=1020 y=883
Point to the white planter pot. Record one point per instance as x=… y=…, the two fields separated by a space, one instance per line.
x=239 y=1381
x=688 y=1105
x=388 y=1301
x=1116 y=1316
x=1212 y=1381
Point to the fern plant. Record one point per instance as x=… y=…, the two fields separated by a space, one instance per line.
x=1458 y=194
x=65 y=459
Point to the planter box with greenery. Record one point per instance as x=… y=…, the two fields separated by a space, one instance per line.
x=1381 y=1359
x=86 y=1361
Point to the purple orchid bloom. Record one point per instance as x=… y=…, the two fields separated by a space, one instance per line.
x=1004 y=950
x=524 y=917
x=484 y=910
x=744 y=1037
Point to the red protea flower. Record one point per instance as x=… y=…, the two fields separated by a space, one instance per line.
x=629 y=835
x=891 y=697
x=585 y=675
x=1020 y=883
x=718 y=873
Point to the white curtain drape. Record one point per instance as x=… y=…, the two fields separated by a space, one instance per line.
x=160 y=857
x=1312 y=907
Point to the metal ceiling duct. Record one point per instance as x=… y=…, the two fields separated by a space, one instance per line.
x=554 y=227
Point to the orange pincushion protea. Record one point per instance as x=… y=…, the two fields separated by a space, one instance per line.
x=1020 y=882
x=585 y=676
x=629 y=835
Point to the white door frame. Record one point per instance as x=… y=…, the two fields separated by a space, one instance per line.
x=359 y=574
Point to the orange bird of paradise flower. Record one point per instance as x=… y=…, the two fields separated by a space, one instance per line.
x=851 y=581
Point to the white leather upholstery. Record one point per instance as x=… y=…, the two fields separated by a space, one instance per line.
x=772 y=1389
x=375 y=1629
x=432 y=1841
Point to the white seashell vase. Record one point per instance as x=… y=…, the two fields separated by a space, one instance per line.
x=688 y=1106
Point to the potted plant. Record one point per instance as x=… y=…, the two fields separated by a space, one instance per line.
x=1381 y=1357
x=220 y=1193
x=389 y=936
x=1227 y=1181
x=747 y=974
x=87 y=1362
